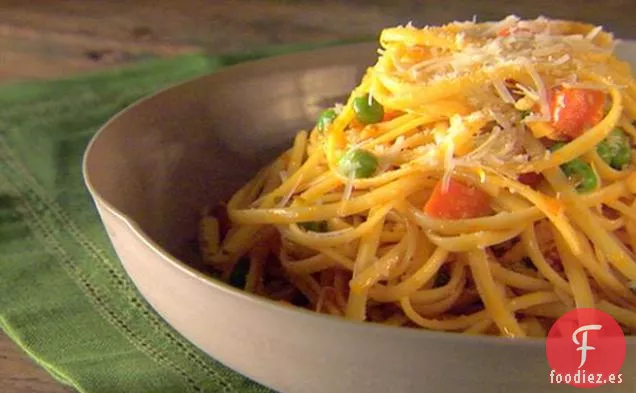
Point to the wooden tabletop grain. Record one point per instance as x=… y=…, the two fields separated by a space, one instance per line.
x=42 y=39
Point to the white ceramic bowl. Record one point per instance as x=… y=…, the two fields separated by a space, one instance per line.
x=152 y=168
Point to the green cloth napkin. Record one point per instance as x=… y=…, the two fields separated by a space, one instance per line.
x=64 y=297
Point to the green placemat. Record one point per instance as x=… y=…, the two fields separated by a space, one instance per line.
x=64 y=297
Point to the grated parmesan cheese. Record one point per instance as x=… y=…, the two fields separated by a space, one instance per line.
x=534 y=47
x=503 y=92
x=541 y=90
x=283 y=176
x=459 y=40
x=593 y=33
x=533 y=95
x=283 y=202
x=449 y=164
x=587 y=85
x=533 y=41
x=562 y=60
x=545 y=51
x=500 y=119
x=389 y=155
x=496 y=27
x=348 y=190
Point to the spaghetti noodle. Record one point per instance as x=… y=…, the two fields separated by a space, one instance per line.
x=479 y=179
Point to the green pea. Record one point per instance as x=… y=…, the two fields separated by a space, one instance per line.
x=326 y=117
x=557 y=146
x=368 y=110
x=579 y=172
x=238 y=277
x=358 y=164
x=314 y=226
x=615 y=149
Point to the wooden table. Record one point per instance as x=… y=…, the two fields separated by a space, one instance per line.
x=41 y=39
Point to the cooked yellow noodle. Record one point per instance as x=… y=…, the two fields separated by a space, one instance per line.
x=365 y=248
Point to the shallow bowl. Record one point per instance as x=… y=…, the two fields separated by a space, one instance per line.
x=151 y=169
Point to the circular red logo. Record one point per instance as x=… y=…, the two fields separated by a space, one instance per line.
x=586 y=348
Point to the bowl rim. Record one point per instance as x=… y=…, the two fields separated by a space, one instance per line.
x=212 y=283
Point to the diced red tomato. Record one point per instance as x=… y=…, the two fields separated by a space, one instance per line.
x=505 y=32
x=356 y=125
x=531 y=179
x=459 y=201
x=390 y=115
x=415 y=54
x=574 y=110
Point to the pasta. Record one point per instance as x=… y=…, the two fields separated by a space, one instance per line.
x=480 y=179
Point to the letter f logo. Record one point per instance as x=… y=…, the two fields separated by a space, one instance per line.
x=583 y=344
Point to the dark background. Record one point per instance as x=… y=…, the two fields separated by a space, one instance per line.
x=52 y=38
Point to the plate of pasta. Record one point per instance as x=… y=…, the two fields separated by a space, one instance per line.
x=475 y=167
x=447 y=192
